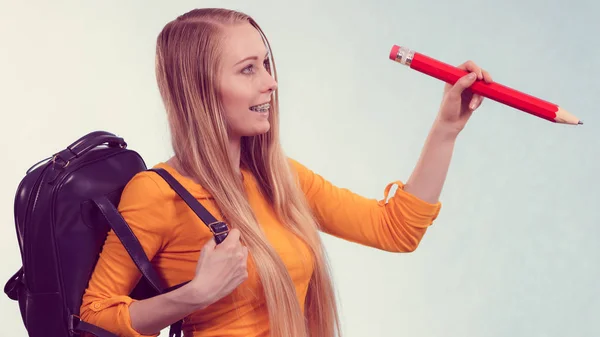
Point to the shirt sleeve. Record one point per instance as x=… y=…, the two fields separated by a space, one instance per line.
x=397 y=225
x=106 y=302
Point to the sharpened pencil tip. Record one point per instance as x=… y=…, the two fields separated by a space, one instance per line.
x=580 y=122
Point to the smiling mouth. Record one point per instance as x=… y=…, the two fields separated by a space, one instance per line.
x=261 y=107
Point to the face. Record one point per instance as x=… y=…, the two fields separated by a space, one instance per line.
x=245 y=81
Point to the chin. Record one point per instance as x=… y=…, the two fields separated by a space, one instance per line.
x=264 y=130
x=259 y=129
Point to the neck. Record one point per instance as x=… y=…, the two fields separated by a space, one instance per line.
x=235 y=149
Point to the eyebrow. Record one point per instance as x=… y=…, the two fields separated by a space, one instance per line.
x=251 y=58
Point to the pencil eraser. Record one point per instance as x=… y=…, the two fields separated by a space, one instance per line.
x=394 y=52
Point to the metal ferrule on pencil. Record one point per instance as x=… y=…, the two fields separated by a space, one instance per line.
x=405 y=56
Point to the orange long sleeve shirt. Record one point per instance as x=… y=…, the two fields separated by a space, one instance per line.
x=172 y=236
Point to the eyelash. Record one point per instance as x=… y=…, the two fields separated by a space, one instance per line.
x=251 y=66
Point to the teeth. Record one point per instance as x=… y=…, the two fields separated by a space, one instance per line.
x=261 y=108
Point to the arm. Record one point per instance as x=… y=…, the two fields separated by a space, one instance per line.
x=458 y=105
x=396 y=225
x=151 y=315
x=106 y=302
x=429 y=175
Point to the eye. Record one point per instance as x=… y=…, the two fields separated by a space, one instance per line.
x=248 y=70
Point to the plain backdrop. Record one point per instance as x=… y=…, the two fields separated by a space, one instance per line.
x=515 y=249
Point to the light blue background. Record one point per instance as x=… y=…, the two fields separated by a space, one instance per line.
x=515 y=250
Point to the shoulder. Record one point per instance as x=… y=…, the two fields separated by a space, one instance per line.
x=149 y=204
x=148 y=189
x=298 y=168
x=151 y=179
x=141 y=191
x=305 y=176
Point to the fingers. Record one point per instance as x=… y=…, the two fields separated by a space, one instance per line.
x=232 y=239
x=482 y=74
x=471 y=67
x=209 y=245
x=487 y=77
x=475 y=102
x=463 y=83
x=244 y=257
x=475 y=73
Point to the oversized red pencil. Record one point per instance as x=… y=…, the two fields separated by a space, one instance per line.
x=494 y=91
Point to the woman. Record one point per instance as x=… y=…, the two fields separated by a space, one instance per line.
x=269 y=277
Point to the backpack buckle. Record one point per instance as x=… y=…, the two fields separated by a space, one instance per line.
x=73 y=323
x=218 y=228
x=56 y=158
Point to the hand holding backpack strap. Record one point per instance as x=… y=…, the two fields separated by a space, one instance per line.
x=130 y=241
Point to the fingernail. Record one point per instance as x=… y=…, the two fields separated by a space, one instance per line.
x=472 y=76
x=473 y=104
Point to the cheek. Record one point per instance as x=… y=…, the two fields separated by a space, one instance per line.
x=236 y=105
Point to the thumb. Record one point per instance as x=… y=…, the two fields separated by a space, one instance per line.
x=464 y=82
x=210 y=245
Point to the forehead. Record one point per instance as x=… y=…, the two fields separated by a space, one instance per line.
x=241 y=41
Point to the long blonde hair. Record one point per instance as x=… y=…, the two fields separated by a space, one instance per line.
x=187 y=63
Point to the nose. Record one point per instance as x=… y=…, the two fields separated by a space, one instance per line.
x=270 y=84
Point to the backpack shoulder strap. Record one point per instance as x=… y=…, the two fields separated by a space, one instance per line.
x=218 y=228
x=139 y=257
x=135 y=250
x=77 y=325
x=129 y=241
